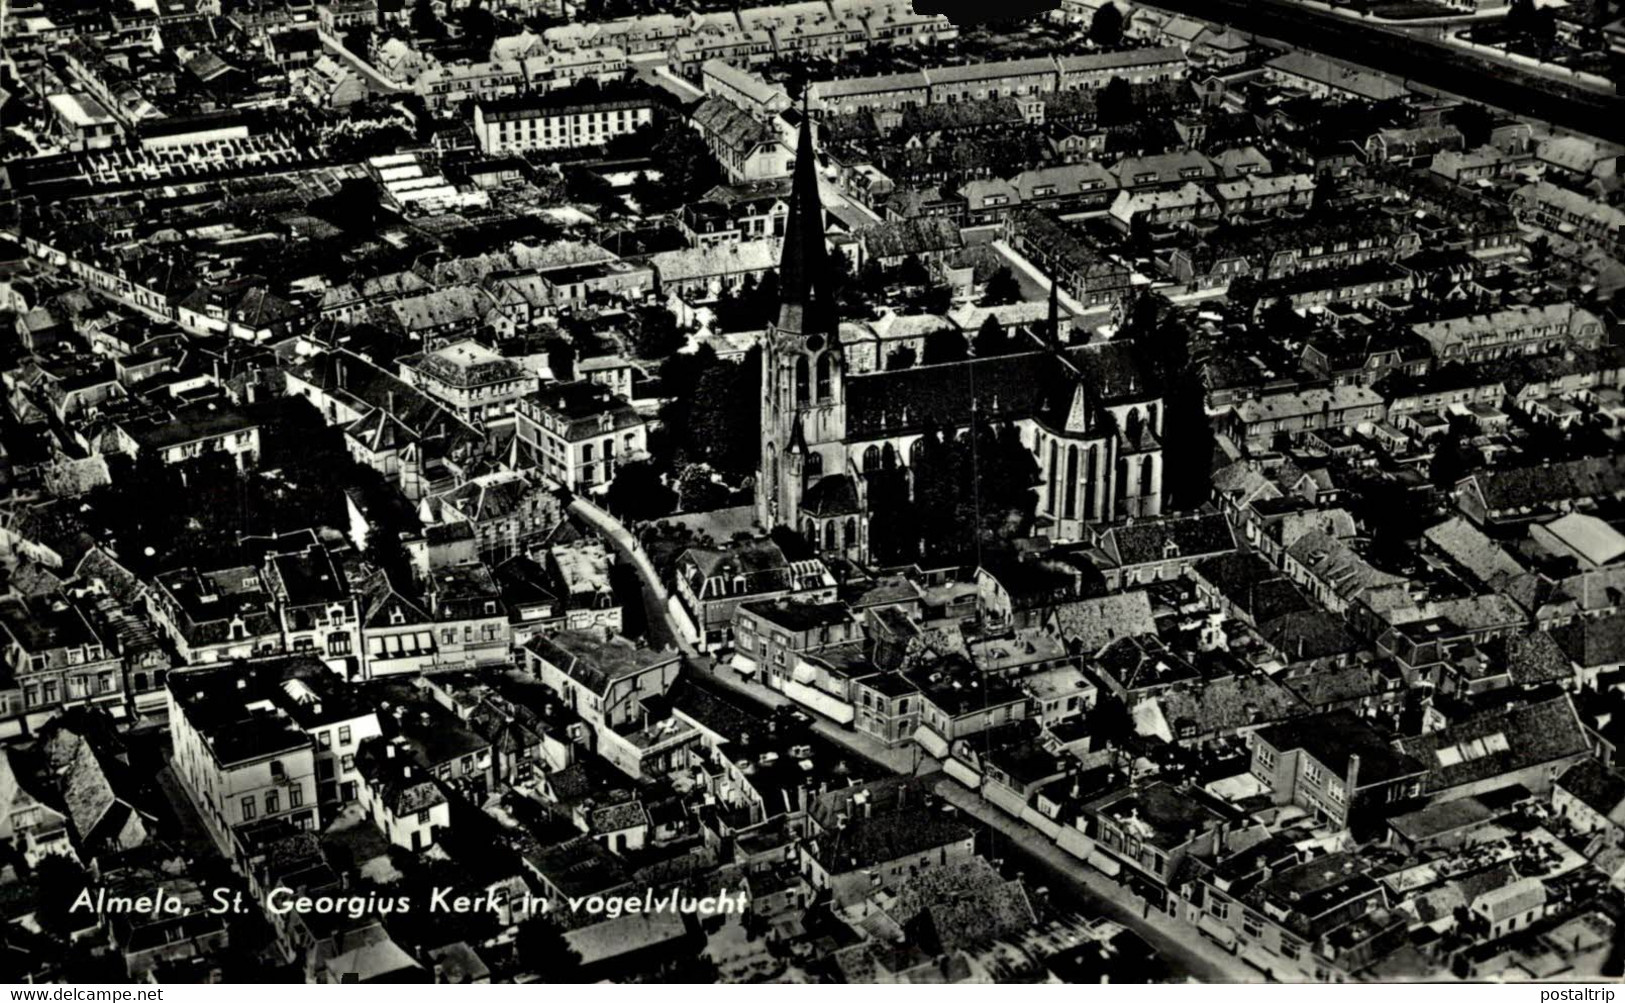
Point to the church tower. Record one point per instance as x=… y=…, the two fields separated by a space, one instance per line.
x=803 y=400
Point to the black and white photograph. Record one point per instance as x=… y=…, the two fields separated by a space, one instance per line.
x=907 y=492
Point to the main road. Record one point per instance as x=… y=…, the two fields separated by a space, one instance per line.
x=1180 y=945
x=1388 y=48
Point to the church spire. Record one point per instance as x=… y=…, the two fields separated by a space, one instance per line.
x=806 y=301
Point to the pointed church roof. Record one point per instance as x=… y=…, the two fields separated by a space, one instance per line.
x=806 y=299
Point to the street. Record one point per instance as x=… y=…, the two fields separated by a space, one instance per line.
x=1177 y=942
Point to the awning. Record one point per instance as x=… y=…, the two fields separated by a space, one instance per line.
x=962 y=773
x=931 y=742
x=1105 y=863
x=816 y=699
x=1259 y=958
x=1217 y=930
x=744 y=664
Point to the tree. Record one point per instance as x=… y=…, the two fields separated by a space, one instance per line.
x=945 y=345
x=687 y=168
x=1114 y=105
x=561 y=360
x=1540 y=250
x=1520 y=16
x=646 y=191
x=901 y=357
x=894 y=532
x=546 y=952
x=58 y=881
x=699 y=493
x=1144 y=319
x=425 y=22
x=725 y=418
x=1475 y=122
x=1002 y=288
x=992 y=338
x=967 y=497
x=872 y=277
x=638 y=493
x=912 y=272
x=1106 y=27
x=1451 y=462
x=1280 y=321
x=654 y=335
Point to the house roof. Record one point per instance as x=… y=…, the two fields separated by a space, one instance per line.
x=968 y=904
x=731 y=126
x=1511 y=488
x=1094 y=623
x=1596 y=786
x=1150 y=541
x=901 y=238
x=1005 y=387
x=1533 y=658
x=595 y=661
x=1336 y=737
x=1498 y=743
x=1223 y=705
x=886 y=836
x=1336 y=564
x=1469 y=547
x=1593 y=642
x=1588 y=536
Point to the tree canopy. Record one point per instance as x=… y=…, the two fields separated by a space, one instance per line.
x=1106 y=27
x=966 y=496
x=638 y=493
x=993 y=339
x=1002 y=288
x=945 y=345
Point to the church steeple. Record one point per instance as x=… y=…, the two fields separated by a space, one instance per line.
x=806 y=301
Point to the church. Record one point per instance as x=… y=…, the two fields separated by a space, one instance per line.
x=832 y=416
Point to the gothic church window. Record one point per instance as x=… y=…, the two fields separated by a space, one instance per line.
x=871 y=459
x=823 y=373
x=1071 y=482
x=815 y=465
x=1091 y=474
x=801 y=381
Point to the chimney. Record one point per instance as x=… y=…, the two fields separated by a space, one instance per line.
x=868 y=809
x=389 y=750
x=1352 y=779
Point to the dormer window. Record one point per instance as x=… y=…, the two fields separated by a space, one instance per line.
x=397 y=615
